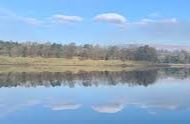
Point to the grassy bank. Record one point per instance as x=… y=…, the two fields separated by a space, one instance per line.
x=38 y=61
x=38 y=64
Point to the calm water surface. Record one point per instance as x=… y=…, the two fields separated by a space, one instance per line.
x=156 y=96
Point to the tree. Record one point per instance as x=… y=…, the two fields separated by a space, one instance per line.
x=69 y=50
x=24 y=51
x=112 y=52
x=146 y=53
x=95 y=52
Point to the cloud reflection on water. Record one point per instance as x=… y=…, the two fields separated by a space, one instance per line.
x=108 y=108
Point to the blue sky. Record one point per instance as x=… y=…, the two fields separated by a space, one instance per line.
x=96 y=21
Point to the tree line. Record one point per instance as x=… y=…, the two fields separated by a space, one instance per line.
x=88 y=51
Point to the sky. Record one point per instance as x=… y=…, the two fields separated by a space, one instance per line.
x=96 y=21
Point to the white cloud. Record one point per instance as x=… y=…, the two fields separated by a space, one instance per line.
x=64 y=106
x=153 y=27
x=8 y=107
x=113 y=18
x=147 y=21
x=8 y=15
x=155 y=105
x=32 y=102
x=166 y=29
x=108 y=108
x=31 y=21
x=154 y=15
x=65 y=19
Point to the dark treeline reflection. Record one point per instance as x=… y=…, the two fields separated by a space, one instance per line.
x=177 y=73
x=82 y=78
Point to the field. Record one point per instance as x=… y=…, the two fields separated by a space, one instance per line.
x=64 y=62
x=38 y=64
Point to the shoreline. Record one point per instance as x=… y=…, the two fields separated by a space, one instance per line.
x=38 y=64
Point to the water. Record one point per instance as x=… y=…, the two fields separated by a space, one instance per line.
x=159 y=96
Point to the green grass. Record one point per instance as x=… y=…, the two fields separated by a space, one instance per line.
x=39 y=64
x=64 y=62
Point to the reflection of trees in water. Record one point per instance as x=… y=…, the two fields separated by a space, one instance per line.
x=143 y=77
x=87 y=79
x=177 y=73
x=81 y=78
